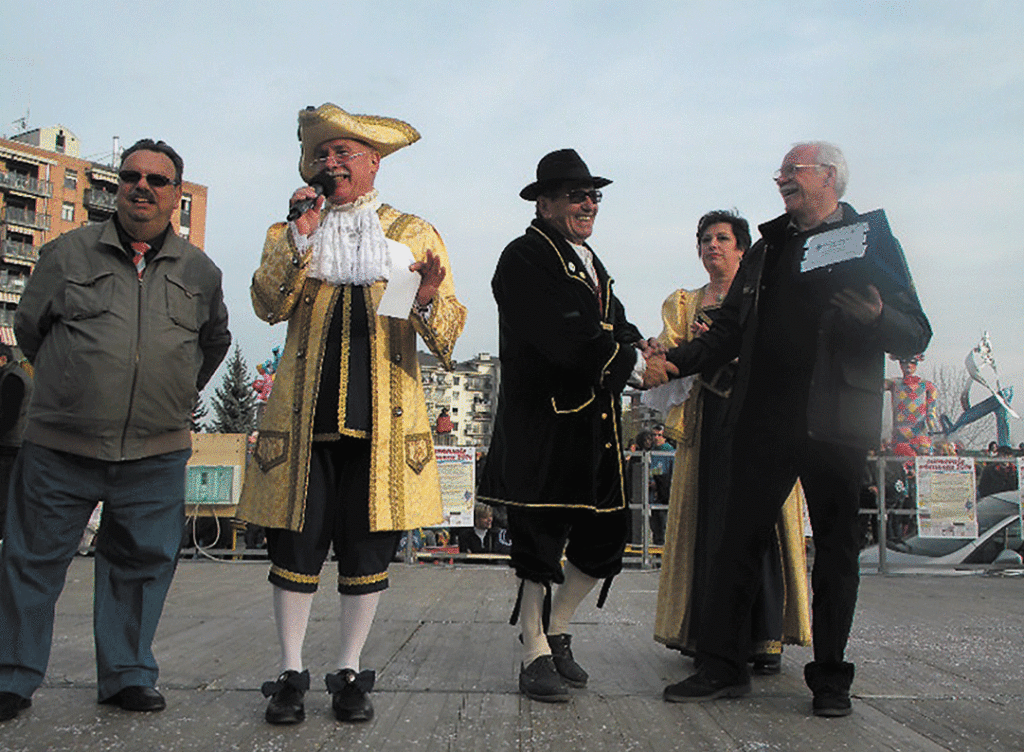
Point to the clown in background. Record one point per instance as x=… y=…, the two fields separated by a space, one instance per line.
x=914 y=414
x=265 y=381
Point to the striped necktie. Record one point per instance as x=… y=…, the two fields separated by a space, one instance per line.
x=140 y=249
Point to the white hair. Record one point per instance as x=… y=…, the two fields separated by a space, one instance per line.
x=831 y=155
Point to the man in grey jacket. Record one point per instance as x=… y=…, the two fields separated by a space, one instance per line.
x=124 y=322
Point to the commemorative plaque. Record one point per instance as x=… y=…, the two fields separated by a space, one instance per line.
x=855 y=254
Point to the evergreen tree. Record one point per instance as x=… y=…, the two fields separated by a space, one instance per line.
x=234 y=402
x=199 y=412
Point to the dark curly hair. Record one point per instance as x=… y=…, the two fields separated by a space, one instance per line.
x=740 y=228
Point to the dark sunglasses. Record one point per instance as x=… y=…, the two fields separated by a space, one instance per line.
x=578 y=196
x=131 y=177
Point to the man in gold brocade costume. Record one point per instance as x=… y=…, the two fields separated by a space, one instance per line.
x=344 y=454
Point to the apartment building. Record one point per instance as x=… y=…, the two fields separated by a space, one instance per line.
x=470 y=393
x=46 y=189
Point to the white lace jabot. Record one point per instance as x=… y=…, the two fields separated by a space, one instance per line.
x=349 y=247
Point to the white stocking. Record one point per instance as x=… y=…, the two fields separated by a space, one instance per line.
x=354 y=621
x=567 y=598
x=531 y=618
x=291 y=612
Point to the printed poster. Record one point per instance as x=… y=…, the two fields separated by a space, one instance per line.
x=946 y=492
x=456 y=466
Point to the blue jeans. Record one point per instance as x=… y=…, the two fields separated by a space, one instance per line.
x=52 y=495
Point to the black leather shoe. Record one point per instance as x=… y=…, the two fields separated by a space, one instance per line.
x=541 y=681
x=286 y=695
x=830 y=683
x=348 y=694
x=700 y=688
x=138 y=699
x=12 y=704
x=561 y=651
x=832 y=704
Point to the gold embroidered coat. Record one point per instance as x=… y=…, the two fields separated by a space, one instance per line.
x=675 y=589
x=404 y=488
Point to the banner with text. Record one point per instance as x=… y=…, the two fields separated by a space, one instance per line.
x=946 y=506
x=456 y=466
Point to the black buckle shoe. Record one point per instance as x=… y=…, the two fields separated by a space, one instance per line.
x=701 y=688
x=541 y=681
x=561 y=651
x=348 y=694
x=286 y=695
x=12 y=704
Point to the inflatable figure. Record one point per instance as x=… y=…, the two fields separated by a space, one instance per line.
x=977 y=360
x=265 y=381
x=913 y=407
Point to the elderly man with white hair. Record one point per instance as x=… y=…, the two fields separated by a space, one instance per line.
x=807 y=402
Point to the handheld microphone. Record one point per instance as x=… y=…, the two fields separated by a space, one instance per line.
x=323 y=183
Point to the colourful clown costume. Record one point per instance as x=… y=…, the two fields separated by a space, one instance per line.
x=914 y=414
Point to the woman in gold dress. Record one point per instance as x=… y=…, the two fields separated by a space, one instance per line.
x=700 y=481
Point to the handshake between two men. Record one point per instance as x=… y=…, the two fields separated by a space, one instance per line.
x=659 y=370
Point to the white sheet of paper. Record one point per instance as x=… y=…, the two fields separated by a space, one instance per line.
x=663 y=398
x=833 y=246
x=402 y=283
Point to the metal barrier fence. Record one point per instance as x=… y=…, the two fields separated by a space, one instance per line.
x=648 y=480
x=888 y=522
x=891 y=523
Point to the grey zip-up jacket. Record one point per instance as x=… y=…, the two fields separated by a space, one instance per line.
x=119 y=360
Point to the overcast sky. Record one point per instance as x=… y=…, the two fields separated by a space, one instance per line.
x=686 y=106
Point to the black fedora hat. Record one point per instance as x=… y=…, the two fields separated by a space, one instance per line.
x=558 y=167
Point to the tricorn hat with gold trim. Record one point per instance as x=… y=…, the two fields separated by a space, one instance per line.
x=328 y=121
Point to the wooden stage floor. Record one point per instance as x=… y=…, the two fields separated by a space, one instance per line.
x=940 y=666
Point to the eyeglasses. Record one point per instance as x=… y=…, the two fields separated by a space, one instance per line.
x=341 y=158
x=153 y=179
x=578 y=196
x=790 y=170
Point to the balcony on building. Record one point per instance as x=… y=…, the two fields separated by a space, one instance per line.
x=14 y=286
x=15 y=181
x=97 y=199
x=13 y=215
x=99 y=174
x=18 y=252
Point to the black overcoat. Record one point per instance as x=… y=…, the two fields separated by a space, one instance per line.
x=566 y=352
x=844 y=402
